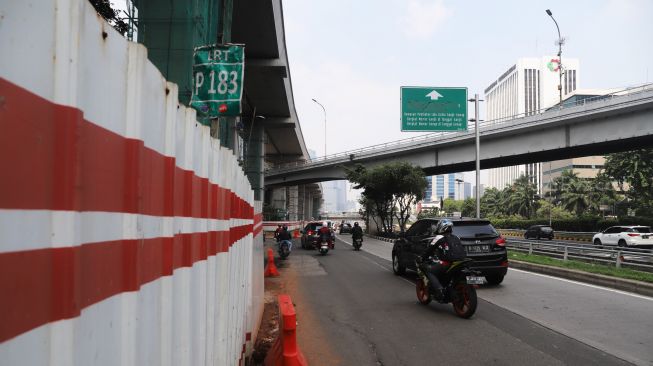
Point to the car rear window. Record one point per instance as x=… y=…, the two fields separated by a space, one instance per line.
x=314 y=227
x=473 y=230
x=641 y=229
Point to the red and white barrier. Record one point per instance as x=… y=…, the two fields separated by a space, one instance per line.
x=128 y=236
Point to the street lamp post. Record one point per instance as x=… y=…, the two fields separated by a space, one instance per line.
x=560 y=41
x=325 y=129
x=459 y=181
x=550 y=191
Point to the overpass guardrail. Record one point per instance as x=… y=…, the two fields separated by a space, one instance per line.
x=425 y=139
x=634 y=258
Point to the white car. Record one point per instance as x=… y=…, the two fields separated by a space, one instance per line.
x=625 y=236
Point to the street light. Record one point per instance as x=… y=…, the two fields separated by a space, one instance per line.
x=560 y=42
x=325 y=130
x=459 y=181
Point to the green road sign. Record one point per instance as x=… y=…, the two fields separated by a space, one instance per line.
x=218 y=80
x=433 y=109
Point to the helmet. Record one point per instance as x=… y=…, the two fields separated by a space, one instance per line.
x=444 y=226
x=285 y=227
x=356 y=223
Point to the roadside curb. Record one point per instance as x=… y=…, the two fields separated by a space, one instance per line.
x=380 y=238
x=638 y=287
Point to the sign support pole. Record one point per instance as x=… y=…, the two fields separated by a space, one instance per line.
x=478 y=157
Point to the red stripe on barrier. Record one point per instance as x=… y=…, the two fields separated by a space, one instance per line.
x=46 y=285
x=51 y=158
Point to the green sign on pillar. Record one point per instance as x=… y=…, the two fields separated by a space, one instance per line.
x=433 y=109
x=218 y=80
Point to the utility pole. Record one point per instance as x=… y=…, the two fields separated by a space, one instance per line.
x=560 y=42
x=476 y=121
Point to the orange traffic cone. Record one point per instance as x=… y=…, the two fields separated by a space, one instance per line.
x=271 y=269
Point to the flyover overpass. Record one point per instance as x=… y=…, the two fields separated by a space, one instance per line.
x=619 y=123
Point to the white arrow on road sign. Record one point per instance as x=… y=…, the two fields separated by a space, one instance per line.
x=434 y=95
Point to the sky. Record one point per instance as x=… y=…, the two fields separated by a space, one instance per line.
x=353 y=56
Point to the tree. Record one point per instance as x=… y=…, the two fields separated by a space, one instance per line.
x=391 y=190
x=469 y=207
x=575 y=196
x=450 y=206
x=523 y=197
x=491 y=203
x=601 y=192
x=557 y=212
x=103 y=7
x=634 y=169
x=559 y=185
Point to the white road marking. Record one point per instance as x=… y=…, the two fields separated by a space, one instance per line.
x=585 y=284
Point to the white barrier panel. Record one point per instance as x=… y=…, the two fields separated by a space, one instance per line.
x=128 y=236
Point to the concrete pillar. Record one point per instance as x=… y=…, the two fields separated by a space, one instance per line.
x=278 y=199
x=254 y=159
x=301 y=199
x=293 y=203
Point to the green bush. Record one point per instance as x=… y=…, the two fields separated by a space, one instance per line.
x=583 y=224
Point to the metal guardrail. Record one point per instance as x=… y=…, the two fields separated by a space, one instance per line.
x=635 y=258
x=428 y=138
x=557 y=234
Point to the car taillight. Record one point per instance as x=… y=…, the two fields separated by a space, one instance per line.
x=310 y=232
x=633 y=234
x=504 y=264
x=501 y=242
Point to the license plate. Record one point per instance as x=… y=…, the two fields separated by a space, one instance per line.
x=477 y=248
x=475 y=280
x=644 y=236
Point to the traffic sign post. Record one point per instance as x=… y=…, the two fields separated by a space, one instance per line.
x=433 y=109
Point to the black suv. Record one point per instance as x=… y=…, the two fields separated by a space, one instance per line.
x=539 y=231
x=482 y=243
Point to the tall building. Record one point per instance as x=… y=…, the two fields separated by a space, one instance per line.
x=335 y=195
x=468 y=190
x=528 y=87
x=481 y=190
x=443 y=187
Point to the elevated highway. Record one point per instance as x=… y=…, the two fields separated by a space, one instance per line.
x=613 y=124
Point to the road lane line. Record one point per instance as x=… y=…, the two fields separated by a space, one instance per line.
x=585 y=284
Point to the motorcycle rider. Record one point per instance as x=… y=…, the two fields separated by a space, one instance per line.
x=276 y=232
x=325 y=234
x=284 y=236
x=356 y=232
x=444 y=248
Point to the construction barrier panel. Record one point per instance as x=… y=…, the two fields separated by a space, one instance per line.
x=128 y=236
x=284 y=350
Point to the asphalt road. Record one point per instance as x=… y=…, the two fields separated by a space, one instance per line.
x=369 y=316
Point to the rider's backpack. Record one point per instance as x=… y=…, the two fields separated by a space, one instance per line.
x=453 y=249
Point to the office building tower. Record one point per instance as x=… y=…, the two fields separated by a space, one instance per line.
x=526 y=88
x=444 y=186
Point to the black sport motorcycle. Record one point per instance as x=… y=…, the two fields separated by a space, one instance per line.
x=459 y=287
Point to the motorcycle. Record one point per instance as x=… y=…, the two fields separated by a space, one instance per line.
x=357 y=243
x=459 y=287
x=284 y=248
x=323 y=244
